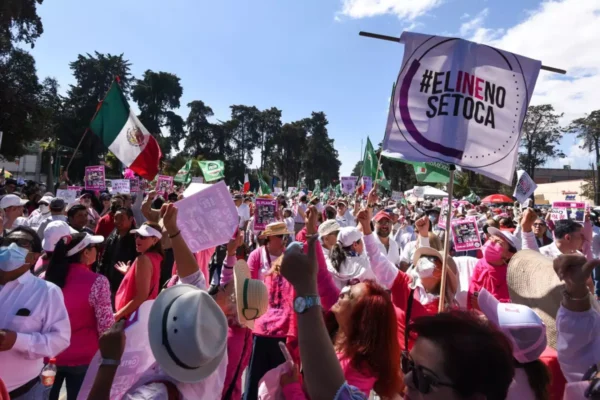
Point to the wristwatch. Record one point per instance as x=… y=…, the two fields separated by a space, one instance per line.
x=303 y=303
x=108 y=361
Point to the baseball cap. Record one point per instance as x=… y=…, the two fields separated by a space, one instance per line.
x=382 y=215
x=521 y=325
x=147 y=231
x=57 y=204
x=11 y=200
x=349 y=235
x=55 y=231
x=328 y=227
x=509 y=237
x=87 y=240
x=46 y=199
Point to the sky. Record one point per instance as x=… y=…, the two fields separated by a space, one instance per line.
x=305 y=56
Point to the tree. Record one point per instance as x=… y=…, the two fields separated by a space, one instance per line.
x=247 y=137
x=357 y=169
x=320 y=160
x=269 y=126
x=200 y=138
x=541 y=133
x=588 y=130
x=19 y=22
x=289 y=146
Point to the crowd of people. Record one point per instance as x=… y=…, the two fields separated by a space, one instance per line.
x=336 y=298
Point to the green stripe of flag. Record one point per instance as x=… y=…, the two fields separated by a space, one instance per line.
x=112 y=115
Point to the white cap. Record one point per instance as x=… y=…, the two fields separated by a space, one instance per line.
x=11 y=200
x=349 y=235
x=55 y=231
x=46 y=199
x=87 y=240
x=147 y=231
x=519 y=323
x=509 y=237
x=328 y=227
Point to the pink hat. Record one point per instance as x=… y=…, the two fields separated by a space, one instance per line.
x=521 y=325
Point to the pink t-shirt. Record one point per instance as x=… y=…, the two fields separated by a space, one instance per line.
x=127 y=290
x=490 y=278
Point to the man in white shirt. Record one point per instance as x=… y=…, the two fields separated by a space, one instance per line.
x=243 y=210
x=344 y=218
x=300 y=214
x=33 y=319
x=383 y=228
x=568 y=235
x=40 y=214
x=13 y=211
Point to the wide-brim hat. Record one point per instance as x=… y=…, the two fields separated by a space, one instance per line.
x=275 y=229
x=452 y=270
x=188 y=333
x=251 y=295
x=532 y=282
x=506 y=235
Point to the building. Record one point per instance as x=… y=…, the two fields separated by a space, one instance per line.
x=27 y=167
x=548 y=175
x=546 y=193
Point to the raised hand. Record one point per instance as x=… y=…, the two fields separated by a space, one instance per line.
x=301 y=269
x=122 y=267
x=168 y=213
x=422 y=225
x=112 y=342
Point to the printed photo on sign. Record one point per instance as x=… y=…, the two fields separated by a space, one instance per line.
x=568 y=210
x=465 y=235
x=460 y=103
x=95 y=178
x=368 y=183
x=69 y=196
x=134 y=185
x=264 y=213
x=348 y=184
x=525 y=186
x=164 y=184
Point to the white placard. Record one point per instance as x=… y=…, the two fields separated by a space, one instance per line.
x=69 y=196
x=418 y=192
x=525 y=186
x=120 y=186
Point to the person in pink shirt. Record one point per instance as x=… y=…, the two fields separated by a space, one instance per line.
x=87 y=299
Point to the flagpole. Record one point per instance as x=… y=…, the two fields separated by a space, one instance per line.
x=447 y=240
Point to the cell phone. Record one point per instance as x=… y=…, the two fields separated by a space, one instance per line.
x=286 y=353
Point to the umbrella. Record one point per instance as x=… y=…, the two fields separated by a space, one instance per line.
x=497 y=198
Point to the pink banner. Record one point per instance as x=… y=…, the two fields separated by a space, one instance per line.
x=164 y=185
x=466 y=235
x=264 y=213
x=95 y=178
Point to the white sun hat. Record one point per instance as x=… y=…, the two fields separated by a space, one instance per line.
x=251 y=295
x=55 y=231
x=87 y=240
x=12 y=200
x=147 y=231
x=188 y=333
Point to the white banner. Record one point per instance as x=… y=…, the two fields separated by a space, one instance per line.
x=525 y=186
x=348 y=184
x=69 y=196
x=461 y=103
x=121 y=186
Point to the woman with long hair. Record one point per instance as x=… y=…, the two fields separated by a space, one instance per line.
x=347 y=259
x=87 y=299
x=142 y=278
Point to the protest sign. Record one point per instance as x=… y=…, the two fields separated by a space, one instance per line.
x=443 y=215
x=197 y=179
x=574 y=210
x=291 y=189
x=95 y=178
x=418 y=192
x=164 y=184
x=208 y=217
x=264 y=213
x=78 y=189
x=276 y=190
x=69 y=196
x=461 y=103
x=120 y=186
x=525 y=186
x=368 y=184
x=212 y=170
x=348 y=184
x=466 y=235
x=397 y=196
x=137 y=357
x=134 y=185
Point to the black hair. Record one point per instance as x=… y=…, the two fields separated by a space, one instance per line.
x=337 y=255
x=566 y=227
x=303 y=198
x=330 y=212
x=126 y=211
x=157 y=203
x=58 y=267
x=73 y=210
x=538 y=377
x=36 y=244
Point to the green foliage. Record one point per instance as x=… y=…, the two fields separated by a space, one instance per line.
x=19 y=22
x=320 y=159
x=588 y=130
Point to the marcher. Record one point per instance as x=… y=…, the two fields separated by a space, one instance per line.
x=54 y=232
x=106 y=224
x=383 y=229
x=57 y=213
x=328 y=234
x=40 y=214
x=13 y=211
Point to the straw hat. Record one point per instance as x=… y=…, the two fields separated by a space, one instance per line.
x=251 y=295
x=533 y=283
x=275 y=229
x=452 y=271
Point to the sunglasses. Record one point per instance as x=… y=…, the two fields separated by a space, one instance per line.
x=422 y=378
x=138 y=236
x=25 y=243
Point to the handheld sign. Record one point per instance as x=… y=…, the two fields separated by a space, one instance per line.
x=397 y=196
x=460 y=103
x=367 y=181
x=525 y=186
x=120 y=186
x=164 y=184
x=418 y=192
x=69 y=196
x=348 y=184
x=574 y=210
x=264 y=213
x=134 y=185
x=95 y=178
x=466 y=235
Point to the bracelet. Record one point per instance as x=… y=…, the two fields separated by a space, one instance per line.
x=175 y=235
x=567 y=296
x=108 y=361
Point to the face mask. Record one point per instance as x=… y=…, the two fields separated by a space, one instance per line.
x=492 y=252
x=44 y=209
x=425 y=268
x=12 y=257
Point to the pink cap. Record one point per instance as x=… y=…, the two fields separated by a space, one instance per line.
x=521 y=325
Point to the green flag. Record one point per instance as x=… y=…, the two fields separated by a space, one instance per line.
x=338 y=190
x=425 y=172
x=369 y=167
x=212 y=170
x=183 y=175
x=381 y=181
x=317 y=190
x=263 y=186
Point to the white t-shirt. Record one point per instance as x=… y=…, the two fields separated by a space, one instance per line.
x=392 y=253
x=299 y=219
x=244 y=214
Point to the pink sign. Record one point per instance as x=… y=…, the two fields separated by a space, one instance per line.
x=164 y=184
x=466 y=235
x=264 y=213
x=95 y=178
x=134 y=185
x=574 y=210
x=208 y=217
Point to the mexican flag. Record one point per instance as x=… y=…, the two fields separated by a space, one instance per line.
x=246 y=183
x=121 y=131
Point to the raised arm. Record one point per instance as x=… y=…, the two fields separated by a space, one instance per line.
x=528 y=241
x=147 y=211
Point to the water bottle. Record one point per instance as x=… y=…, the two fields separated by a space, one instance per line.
x=49 y=373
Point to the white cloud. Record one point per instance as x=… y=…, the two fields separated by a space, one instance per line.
x=404 y=9
x=576 y=157
x=465 y=16
x=474 y=30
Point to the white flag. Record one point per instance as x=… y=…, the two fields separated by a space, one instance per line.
x=461 y=103
x=525 y=186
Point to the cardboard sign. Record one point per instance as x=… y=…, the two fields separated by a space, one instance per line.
x=197 y=179
x=208 y=217
x=397 y=196
x=69 y=196
x=264 y=213
x=348 y=184
x=525 y=186
x=164 y=184
x=466 y=235
x=120 y=186
x=95 y=178
x=368 y=184
x=460 y=102
x=78 y=189
x=574 y=210
x=134 y=185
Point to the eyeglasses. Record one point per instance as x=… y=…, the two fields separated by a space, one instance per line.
x=422 y=377
x=25 y=243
